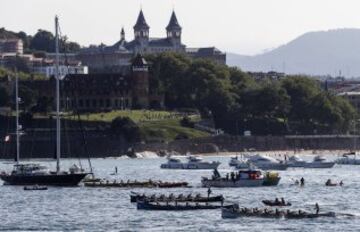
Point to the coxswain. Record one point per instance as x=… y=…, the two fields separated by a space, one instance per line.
x=283 y=201
x=317 y=208
x=328 y=182
x=341 y=183
x=302 y=181
x=232 y=176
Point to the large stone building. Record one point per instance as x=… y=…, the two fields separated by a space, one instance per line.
x=115 y=57
x=110 y=91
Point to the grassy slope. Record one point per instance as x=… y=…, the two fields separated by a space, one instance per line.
x=155 y=125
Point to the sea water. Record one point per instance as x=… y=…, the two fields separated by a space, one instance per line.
x=109 y=209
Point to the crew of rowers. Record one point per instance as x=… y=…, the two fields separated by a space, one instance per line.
x=327 y=183
x=270 y=212
x=282 y=202
x=330 y=183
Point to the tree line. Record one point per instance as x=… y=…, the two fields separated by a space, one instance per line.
x=237 y=102
x=42 y=41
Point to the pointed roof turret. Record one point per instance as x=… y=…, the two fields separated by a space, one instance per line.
x=173 y=24
x=122 y=34
x=141 y=22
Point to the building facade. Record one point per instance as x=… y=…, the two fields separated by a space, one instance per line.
x=11 y=46
x=100 y=58
x=111 y=91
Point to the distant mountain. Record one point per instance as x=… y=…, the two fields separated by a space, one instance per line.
x=314 y=53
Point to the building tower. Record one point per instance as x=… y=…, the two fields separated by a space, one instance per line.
x=173 y=31
x=140 y=82
x=122 y=34
x=141 y=31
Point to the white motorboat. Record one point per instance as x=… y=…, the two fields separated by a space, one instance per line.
x=234 y=161
x=172 y=163
x=194 y=162
x=242 y=178
x=319 y=162
x=267 y=163
x=295 y=162
x=348 y=159
x=239 y=163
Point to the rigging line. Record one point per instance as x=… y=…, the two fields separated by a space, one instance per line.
x=78 y=114
x=6 y=132
x=66 y=64
x=81 y=125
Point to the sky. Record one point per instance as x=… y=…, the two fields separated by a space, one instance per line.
x=245 y=27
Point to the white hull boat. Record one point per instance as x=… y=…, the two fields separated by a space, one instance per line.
x=194 y=162
x=319 y=162
x=242 y=178
x=348 y=159
x=296 y=162
x=267 y=163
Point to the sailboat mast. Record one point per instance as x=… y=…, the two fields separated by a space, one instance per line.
x=17 y=118
x=57 y=77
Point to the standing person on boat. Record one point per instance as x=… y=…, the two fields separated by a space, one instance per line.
x=341 y=183
x=283 y=201
x=302 y=181
x=317 y=208
x=232 y=175
x=209 y=192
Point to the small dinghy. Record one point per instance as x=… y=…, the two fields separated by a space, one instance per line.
x=275 y=203
x=35 y=187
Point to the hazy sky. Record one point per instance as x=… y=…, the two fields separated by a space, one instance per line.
x=241 y=26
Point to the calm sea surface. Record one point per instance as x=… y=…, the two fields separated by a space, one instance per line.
x=96 y=209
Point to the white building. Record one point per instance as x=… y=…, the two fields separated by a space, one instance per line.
x=49 y=71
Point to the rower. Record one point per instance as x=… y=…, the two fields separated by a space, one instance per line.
x=328 y=182
x=302 y=181
x=341 y=183
x=317 y=208
x=283 y=201
x=277 y=201
x=209 y=192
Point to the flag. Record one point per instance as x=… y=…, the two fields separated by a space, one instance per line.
x=7 y=138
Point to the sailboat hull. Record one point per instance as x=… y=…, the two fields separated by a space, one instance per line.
x=46 y=179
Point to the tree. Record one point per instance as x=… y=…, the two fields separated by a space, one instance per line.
x=27 y=96
x=4 y=97
x=43 y=41
x=126 y=127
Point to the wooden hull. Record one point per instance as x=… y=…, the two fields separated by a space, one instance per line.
x=152 y=206
x=136 y=198
x=231 y=213
x=272 y=203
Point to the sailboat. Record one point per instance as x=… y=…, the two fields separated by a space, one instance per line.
x=37 y=174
